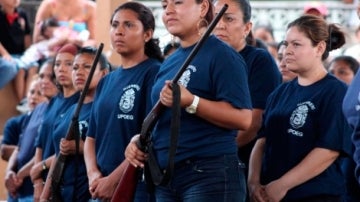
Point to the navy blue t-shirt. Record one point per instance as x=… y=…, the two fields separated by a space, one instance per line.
x=75 y=168
x=351 y=110
x=351 y=103
x=263 y=74
x=12 y=35
x=14 y=127
x=120 y=105
x=216 y=73
x=26 y=147
x=298 y=119
x=263 y=77
x=55 y=110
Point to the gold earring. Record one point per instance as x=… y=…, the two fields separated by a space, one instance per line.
x=200 y=25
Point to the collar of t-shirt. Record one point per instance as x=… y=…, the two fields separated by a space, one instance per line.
x=12 y=17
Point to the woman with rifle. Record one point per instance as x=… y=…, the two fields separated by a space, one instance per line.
x=57 y=106
x=215 y=103
x=74 y=183
x=122 y=99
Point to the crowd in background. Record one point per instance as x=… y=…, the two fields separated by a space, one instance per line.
x=289 y=133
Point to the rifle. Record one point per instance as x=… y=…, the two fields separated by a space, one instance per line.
x=125 y=190
x=56 y=171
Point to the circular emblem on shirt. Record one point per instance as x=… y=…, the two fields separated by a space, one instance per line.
x=83 y=126
x=185 y=77
x=298 y=117
x=126 y=103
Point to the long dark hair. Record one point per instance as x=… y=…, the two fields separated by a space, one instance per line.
x=147 y=19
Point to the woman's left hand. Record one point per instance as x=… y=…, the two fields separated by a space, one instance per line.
x=133 y=154
x=166 y=95
x=67 y=146
x=275 y=191
x=105 y=188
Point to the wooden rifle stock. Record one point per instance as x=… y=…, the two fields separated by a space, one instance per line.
x=72 y=133
x=125 y=190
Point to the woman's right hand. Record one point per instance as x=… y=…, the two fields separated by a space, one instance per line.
x=133 y=154
x=93 y=176
x=38 y=188
x=11 y=183
x=257 y=192
x=35 y=172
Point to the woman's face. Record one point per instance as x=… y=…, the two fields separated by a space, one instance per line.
x=10 y=3
x=264 y=35
x=342 y=71
x=181 y=17
x=63 y=68
x=127 y=33
x=285 y=73
x=231 y=28
x=34 y=94
x=300 y=54
x=47 y=84
x=81 y=69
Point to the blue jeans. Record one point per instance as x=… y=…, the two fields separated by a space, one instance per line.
x=26 y=199
x=11 y=199
x=218 y=179
x=141 y=194
x=8 y=71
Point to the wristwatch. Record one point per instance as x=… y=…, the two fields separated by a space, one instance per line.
x=193 y=107
x=44 y=165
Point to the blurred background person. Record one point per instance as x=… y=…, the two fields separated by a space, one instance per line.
x=15 y=38
x=344 y=68
x=265 y=33
x=286 y=74
x=17 y=179
x=316 y=8
x=170 y=48
x=13 y=129
x=73 y=15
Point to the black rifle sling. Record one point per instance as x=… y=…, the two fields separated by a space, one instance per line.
x=77 y=153
x=159 y=177
x=175 y=127
x=163 y=178
x=60 y=161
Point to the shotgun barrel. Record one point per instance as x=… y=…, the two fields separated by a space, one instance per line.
x=125 y=190
x=57 y=169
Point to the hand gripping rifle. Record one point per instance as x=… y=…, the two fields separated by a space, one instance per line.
x=56 y=171
x=125 y=190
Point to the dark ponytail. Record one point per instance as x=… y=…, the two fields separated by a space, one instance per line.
x=153 y=50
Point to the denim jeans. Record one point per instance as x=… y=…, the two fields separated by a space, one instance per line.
x=26 y=199
x=218 y=179
x=8 y=71
x=11 y=199
x=141 y=195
